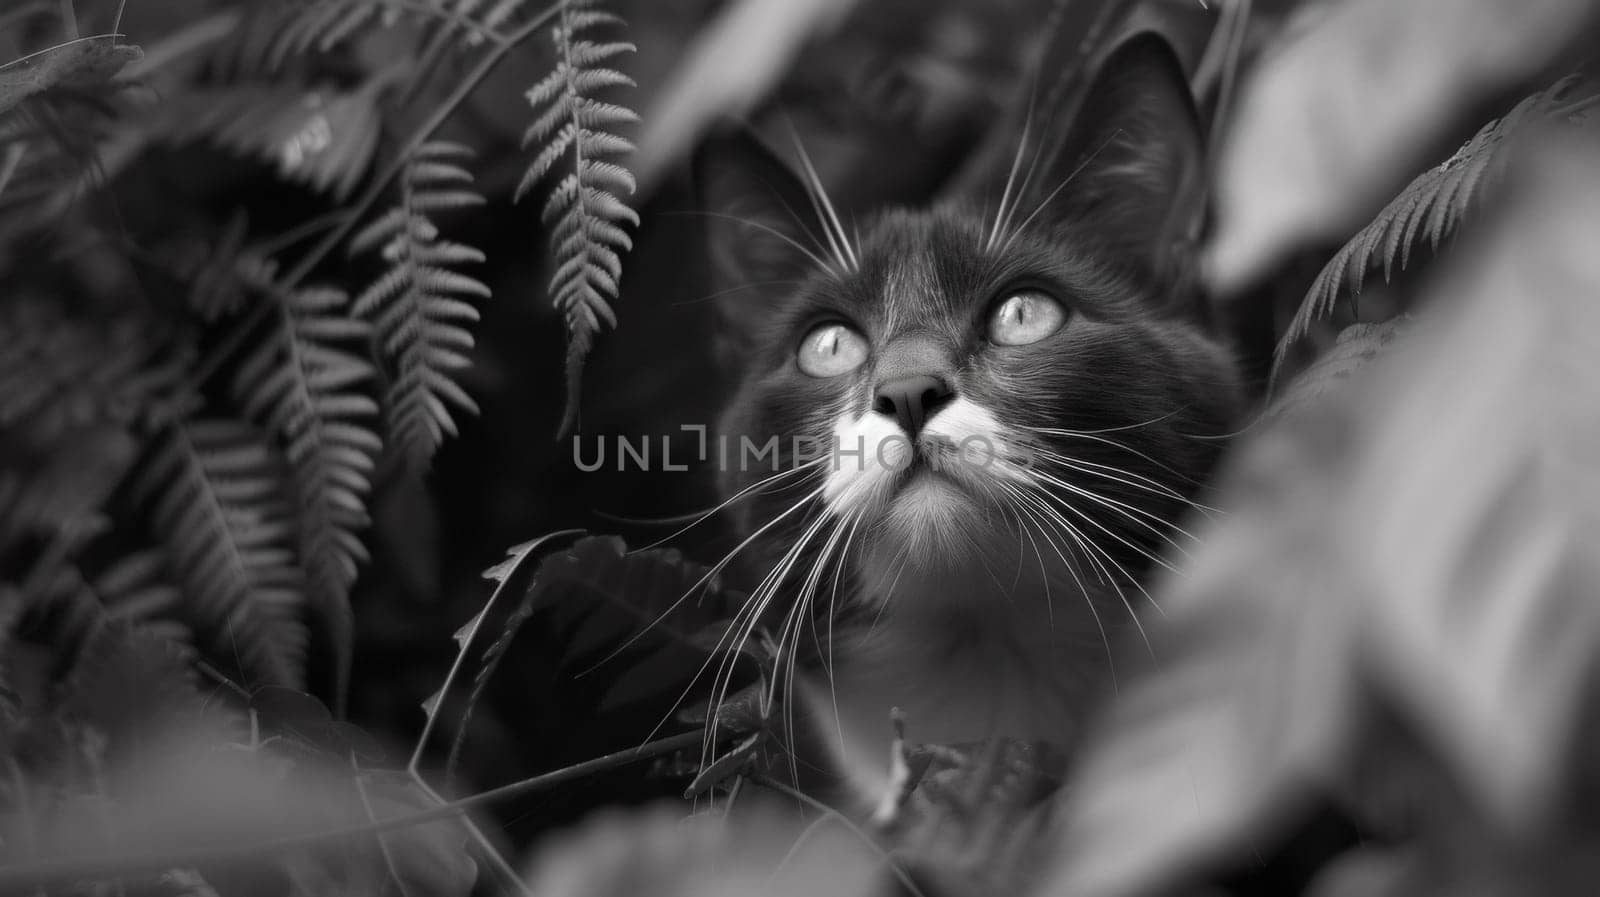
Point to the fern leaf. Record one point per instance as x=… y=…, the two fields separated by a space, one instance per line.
x=419 y=305
x=214 y=488
x=1432 y=206
x=585 y=210
x=323 y=24
x=59 y=374
x=307 y=390
x=134 y=590
x=475 y=30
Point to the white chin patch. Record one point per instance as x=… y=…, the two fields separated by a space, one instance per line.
x=962 y=443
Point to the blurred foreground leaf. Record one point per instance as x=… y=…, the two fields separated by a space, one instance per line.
x=1408 y=560
x=1329 y=128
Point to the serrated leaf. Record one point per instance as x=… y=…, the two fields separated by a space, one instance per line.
x=1430 y=205
x=570 y=121
x=304 y=386
x=413 y=307
x=213 y=488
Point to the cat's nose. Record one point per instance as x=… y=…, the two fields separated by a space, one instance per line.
x=912 y=400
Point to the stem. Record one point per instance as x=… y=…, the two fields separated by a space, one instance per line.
x=15 y=878
x=455 y=18
x=314 y=257
x=831 y=813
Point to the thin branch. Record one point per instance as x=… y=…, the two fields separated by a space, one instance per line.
x=39 y=873
x=847 y=822
x=456 y=18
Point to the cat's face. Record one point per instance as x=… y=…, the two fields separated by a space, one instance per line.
x=956 y=382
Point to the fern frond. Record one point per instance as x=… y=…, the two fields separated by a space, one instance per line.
x=1432 y=206
x=60 y=373
x=323 y=24
x=215 y=489
x=474 y=21
x=585 y=211
x=308 y=391
x=134 y=591
x=420 y=305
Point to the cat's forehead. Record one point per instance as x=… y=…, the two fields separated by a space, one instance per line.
x=917 y=267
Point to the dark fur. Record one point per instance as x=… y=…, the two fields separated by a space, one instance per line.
x=1112 y=245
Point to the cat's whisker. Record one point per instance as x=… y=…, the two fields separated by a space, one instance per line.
x=833 y=605
x=1155 y=524
x=831 y=225
x=717 y=568
x=1096 y=523
x=1008 y=230
x=1050 y=197
x=756 y=605
x=1100 y=557
x=902 y=558
x=1044 y=574
x=749 y=285
x=706 y=578
x=1095 y=554
x=1031 y=505
x=1001 y=214
x=753 y=487
x=1121 y=428
x=803 y=612
x=774 y=232
x=1128 y=478
x=1094 y=436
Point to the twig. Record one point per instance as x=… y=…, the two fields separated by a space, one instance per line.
x=372 y=816
x=16 y=877
x=314 y=257
x=279 y=242
x=449 y=15
x=847 y=822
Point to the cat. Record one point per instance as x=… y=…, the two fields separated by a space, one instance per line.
x=1009 y=398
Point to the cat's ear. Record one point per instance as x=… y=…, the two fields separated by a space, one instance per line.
x=1133 y=160
x=761 y=227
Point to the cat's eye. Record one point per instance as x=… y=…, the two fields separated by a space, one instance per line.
x=831 y=350
x=1024 y=317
